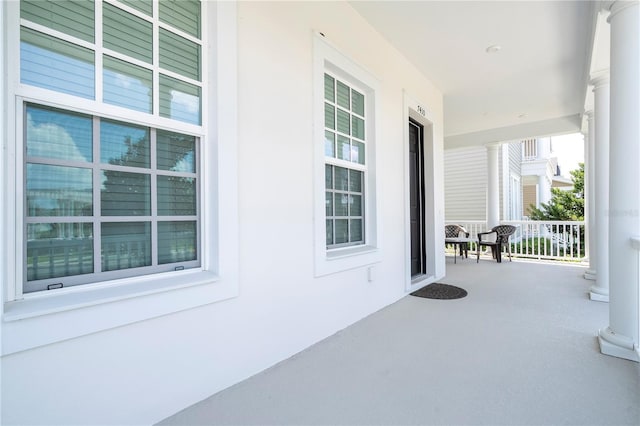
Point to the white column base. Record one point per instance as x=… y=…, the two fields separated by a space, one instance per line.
x=617 y=345
x=599 y=294
x=590 y=274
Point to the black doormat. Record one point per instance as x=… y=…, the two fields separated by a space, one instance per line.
x=440 y=291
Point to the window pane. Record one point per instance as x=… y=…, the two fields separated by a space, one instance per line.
x=329 y=116
x=182 y=14
x=343 y=122
x=342 y=231
x=357 y=152
x=179 y=100
x=357 y=102
x=177 y=242
x=127 y=34
x=329 y=225
x=59 y=191
x=127 y=85
x=343 y=95
x=176 y=152
x=355 y=205
x=125 y=245
x=125 y=194
x=328 y=203
x=124 y=145
x=355 y=231
x=328 y=176
x=344 y=148
x=176 y=196
x=59 y=250
x=329 y=144
x=355 y=181
x=357 y=127
x=342 y=179
x=329 y=89
x=56 y=65
x=75 y=18
x=61 y=135
x=179 y=55
x=144 y=6
x=341 y=204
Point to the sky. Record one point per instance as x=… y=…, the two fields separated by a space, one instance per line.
x=570 y=151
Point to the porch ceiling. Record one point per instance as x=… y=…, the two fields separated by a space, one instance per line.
x=533 y=86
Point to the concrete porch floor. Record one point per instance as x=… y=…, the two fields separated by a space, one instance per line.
x=519 y=349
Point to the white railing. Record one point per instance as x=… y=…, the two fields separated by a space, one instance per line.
x=529 y=149
x=538 y=239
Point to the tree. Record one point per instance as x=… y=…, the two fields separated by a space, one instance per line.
x=564 y=205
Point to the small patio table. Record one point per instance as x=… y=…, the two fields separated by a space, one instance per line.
x=459 y=242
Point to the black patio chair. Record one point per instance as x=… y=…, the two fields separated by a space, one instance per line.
x=457 y=231
x=496 y=238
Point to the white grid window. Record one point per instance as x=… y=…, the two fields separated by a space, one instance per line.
x=346 y=165
x=109 y=198
x=106 y=199
x=148 y=62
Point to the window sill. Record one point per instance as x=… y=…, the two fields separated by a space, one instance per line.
x=43 y=319
x=343 y=259
x=340 y=253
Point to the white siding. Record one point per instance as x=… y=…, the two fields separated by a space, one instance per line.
x=465 y=183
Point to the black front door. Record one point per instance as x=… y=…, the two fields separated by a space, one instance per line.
x=417 y=199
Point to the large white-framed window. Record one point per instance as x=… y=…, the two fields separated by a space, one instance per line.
x=115 y=146
x=346 y=226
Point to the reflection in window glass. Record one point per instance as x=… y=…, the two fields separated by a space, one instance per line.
x=124 y=144
x=127 y=85
x=125 y=245
x=125 y=194
x=59 y=249
x=55 y=134
x=344 y=206
x=59 y=191
x=184 y=15
x=57 y=65
x=177 y=242
x=176 y=196
x=73 y=18
x=176 y=152
x=179 y=100
x=127 y=34
x=179 y=55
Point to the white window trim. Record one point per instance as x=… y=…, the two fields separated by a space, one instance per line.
x=43 y=318
x=329 y=261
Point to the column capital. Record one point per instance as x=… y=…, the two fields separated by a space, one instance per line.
x=618 y=6
x=588 y=114
x=600 y=79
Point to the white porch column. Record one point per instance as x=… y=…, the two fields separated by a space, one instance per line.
x=621 y=337
x=589 y=202
x=493 y=186
x=544 y=190
x=544 y=148
x=600 y=290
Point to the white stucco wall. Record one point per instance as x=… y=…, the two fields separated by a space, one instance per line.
x=141 y=373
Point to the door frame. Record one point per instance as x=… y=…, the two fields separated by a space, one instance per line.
x=433 y=197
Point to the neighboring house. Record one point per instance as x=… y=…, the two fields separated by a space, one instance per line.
x=527 y=172
x=540 y=172
x=466 y=183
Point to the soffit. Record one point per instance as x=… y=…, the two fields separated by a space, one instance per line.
x=535 y=83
